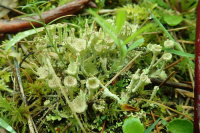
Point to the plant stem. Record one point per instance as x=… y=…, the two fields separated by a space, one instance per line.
x=139 y=99
x=31 y=124
x=197 y=75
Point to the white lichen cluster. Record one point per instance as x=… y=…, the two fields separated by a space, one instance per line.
x=159 y=62
x=87 y=59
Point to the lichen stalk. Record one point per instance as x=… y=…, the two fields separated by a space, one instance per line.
x=64 y=93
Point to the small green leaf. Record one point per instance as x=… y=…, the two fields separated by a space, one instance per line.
x=173 y=20
x=180 y=126
x=132 y=125
x=164 y=122
x=20 y=36
x=136 y=43
x=160 y=3
x=120 y=20
x=148 y=130
x=4 y=87
x=103 y=117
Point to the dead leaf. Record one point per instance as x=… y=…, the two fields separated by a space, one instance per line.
x=7 y=3
x=127 y=107
x=186 y=93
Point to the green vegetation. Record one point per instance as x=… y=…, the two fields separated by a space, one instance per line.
x=96 y=72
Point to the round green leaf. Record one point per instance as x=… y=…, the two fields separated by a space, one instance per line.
x=180 y=126
x=133 y=125
x=173 y=20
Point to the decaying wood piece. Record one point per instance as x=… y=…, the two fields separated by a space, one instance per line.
x=17 y=25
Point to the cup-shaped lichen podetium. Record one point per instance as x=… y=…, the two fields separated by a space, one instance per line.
x=79 y=103
x=71 y=83
x=155 y=49
x=169 y=44
x=144 y=80
x=92 y=84
x=167 y=56
x=72 y=69
x=76 y=45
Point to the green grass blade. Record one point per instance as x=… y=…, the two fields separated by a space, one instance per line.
x=32 y=4
x=27 y=15
x=6 y=126
x=120 y=20
x=188 y=5
x=183 y=4
x=148 y=130
x=136 y=43
x=20 y=36
x=106 y=26
x=102 y=20
x=59 y=18
x=135 y=34
x=192 y=6
x=173 y=2
x=165 y=31
x=171 y=38
x=33 y=20
x=180 y=53
x=108 y=31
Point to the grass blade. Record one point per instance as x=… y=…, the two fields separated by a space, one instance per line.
x=33 y=20
x=20 y=36
x=171 y=38
x=106 y=26
x=108 y=31
x=102 y=20
x=180 y=53
x=135 y=34
x=136 y=43
x=120 y=20
x=148 y=130
x=6 y=126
